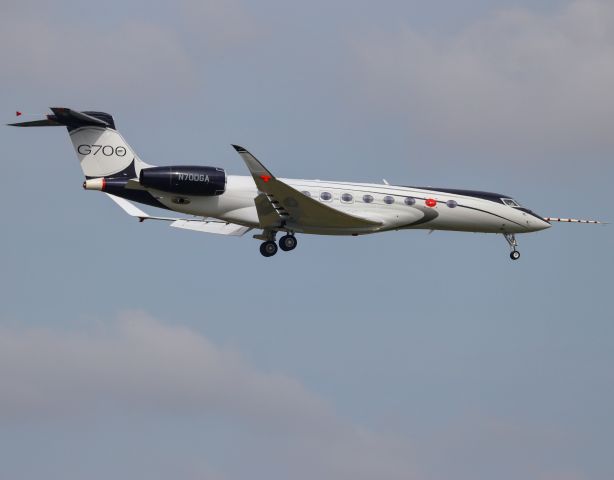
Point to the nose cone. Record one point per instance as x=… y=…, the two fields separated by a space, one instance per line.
x=540 y=224
x=537 y=223
x=533 y=222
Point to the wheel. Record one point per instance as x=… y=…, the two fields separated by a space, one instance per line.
x=515 y=255
x=287 y=243
x=268 y=249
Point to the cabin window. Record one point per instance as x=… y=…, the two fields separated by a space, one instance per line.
x=326 y=196
x=410 y=200
x=452 y=203
x=388 y=199
x=306 y=193
x=347 y=197
x=367 y=199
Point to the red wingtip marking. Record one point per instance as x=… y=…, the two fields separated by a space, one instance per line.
x=265 y=178
x=17 y=113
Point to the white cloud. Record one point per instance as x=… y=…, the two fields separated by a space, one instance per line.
x=517 y=80
x=137 y=364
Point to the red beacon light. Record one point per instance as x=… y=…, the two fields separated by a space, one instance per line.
x=430 y=202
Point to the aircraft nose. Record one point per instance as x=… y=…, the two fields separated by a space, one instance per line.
x=542 y=224
x=537 y=223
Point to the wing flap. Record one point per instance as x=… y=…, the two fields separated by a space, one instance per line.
x=218 y=228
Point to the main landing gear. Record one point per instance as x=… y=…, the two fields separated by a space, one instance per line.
x=268 y=248
x=511 y=240
x=287 y=243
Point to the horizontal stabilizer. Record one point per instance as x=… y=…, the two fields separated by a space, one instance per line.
x=37 y=123
x=66 y=116
x=70 y=118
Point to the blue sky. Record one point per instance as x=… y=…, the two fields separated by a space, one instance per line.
x=133 y=349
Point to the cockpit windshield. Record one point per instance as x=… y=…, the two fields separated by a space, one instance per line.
x=510 y=202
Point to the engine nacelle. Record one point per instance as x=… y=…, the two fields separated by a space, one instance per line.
x=185 y=180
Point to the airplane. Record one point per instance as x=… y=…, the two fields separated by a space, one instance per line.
x=234 y=204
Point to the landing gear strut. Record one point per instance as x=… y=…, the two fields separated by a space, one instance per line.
x=511 y=240
x=287 y=243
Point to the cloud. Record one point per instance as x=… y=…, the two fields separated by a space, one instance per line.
x=138 y=364
x=517 y=80
x=135 y=58
x=46 y=49
x=142 y=58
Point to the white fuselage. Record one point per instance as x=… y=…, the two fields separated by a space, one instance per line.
x=395 y=207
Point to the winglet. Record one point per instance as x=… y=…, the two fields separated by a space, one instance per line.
x=259 y=172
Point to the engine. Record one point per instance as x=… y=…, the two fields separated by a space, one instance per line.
x=185 y=180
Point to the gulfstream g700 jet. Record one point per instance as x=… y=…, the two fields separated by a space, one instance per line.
x=232 y=205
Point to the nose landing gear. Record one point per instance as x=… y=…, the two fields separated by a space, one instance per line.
x=511 y=240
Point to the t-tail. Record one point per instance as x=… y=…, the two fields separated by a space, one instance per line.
x=102 y=151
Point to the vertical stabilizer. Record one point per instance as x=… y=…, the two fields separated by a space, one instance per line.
x=101 y=149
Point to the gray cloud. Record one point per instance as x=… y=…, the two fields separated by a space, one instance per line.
x=517 y=80
x=140 y=362
x=137 y=364
x=133 y=58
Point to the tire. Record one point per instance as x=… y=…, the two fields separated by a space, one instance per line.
x=287 y=243
x=515 y=255
x=268 y=249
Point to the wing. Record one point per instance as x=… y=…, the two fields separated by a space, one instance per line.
x=291 y=206
x=206 y=225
